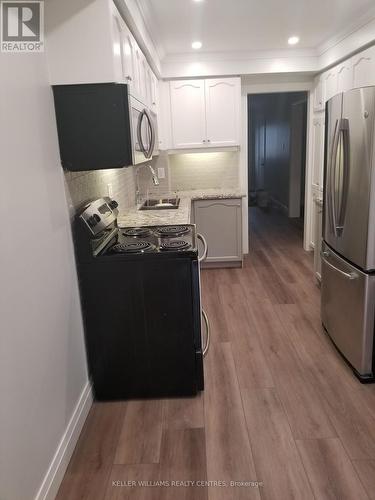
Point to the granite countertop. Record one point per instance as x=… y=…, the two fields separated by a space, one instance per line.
x=133 y=217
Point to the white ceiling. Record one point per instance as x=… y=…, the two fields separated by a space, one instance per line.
x=249 y=25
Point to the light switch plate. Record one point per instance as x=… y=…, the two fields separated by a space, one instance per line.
x=161 y=172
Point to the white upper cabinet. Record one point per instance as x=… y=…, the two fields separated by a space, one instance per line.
x=188 y=114
x=131 y=65
x=345 y=76
x=107 y=52
x=154 y=93
x=117 y=46
x=223 y=100
x=318 y=150
x=83 y=47
x=364 y=68
x=128 y=56
x=330 y=85
x=205 y=113
x=318 y=94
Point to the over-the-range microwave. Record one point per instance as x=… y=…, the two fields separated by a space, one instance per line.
x=101 y=126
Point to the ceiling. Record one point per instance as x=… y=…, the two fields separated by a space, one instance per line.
x=248 y=25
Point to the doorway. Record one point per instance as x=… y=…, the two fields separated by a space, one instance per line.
x=277 y=126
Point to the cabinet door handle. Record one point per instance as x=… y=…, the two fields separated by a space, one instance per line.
x=129 y=78
x=203 y=140
x=208 y=140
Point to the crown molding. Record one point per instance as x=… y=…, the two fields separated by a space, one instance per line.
x=147 y=15
x=340 y=36
x=243 y=55
x=210 y=68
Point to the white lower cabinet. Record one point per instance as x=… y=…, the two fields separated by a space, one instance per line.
x=220 y=222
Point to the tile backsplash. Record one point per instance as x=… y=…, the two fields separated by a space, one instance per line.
x=84 y=186
x=204 y=170
x=182 y=172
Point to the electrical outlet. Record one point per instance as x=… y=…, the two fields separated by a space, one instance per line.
x=109 y=190
x=161 y=172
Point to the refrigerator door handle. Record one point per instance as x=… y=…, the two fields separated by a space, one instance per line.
x=332 y=178
x=344 y=131
x=349 y=276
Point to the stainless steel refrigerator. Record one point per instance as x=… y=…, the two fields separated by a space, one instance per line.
x=348 y=252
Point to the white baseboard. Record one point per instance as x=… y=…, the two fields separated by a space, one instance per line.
x=60 y=461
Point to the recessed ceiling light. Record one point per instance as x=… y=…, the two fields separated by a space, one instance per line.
x=198 y=1
x=196 y=45
x=293 y=40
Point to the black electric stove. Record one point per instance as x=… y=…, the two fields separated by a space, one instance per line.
x=141 y=305
x=155 y=239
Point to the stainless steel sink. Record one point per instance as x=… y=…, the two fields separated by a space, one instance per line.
x=161 y=204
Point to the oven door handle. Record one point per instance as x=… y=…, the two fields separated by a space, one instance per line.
x=205 y=251
x=208 y=333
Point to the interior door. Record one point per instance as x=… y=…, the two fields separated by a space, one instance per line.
x=352 y=178
x=348 y=299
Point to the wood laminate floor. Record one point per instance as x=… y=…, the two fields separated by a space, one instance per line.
x=280 y=405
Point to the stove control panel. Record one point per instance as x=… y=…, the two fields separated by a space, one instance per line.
x=99 y=214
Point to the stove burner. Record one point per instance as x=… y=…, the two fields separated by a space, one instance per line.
x=137 y=232
x=172 y=230
x=136 y=247
x=174 y=245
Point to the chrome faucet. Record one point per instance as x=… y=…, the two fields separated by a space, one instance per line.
x=155 y=181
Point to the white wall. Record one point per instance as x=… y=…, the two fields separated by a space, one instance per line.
x=42 y=357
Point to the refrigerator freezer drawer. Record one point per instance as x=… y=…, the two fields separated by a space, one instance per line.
x=348 y=298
